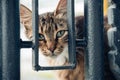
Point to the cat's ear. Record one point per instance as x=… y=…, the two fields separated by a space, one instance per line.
x=61 y=9
x=26 y=20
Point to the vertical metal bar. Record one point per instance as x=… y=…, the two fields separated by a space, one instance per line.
x=26 y=44
x=9 y=39
x=71 y=28
x=94 y=51
x=0 y=41
x=35 y=33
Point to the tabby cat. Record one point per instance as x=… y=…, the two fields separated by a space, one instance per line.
x=53 y=39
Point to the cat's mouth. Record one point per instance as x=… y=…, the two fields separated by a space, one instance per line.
x=50 y=54
x=53 y=54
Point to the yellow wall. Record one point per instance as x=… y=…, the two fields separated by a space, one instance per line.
x=105 y=7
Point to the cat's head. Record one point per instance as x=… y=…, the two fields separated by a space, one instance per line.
x=53 y=31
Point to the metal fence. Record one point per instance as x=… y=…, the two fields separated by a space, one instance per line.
x=92 y=42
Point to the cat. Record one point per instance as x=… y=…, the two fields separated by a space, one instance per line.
x=53 y=39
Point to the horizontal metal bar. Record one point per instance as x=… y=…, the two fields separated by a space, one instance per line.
x=81 y=43
x=26 y=44
x=29 y=44
x=37 y=67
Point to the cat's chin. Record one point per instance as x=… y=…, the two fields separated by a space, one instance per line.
x=53 y=56
x=57 y=59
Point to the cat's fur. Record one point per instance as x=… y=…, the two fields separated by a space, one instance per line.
x=53 y=39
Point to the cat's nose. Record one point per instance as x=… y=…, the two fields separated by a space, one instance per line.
x=51 y=49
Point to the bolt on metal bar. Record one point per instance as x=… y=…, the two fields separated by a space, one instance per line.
x=9 y=40
x=94 y=50
x=35 y=55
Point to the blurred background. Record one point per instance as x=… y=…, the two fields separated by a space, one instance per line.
x=27 y=73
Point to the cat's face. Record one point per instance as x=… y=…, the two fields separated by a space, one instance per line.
x=53 y=35
x=53 y=31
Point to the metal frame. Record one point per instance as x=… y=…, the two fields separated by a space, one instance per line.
x=72 y=43
x=70 y=10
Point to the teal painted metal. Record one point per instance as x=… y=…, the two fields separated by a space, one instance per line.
x=9 y=40
x=94 y=67
x=11 y=43
x=35 y=17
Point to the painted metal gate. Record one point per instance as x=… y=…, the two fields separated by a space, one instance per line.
x=10 y=42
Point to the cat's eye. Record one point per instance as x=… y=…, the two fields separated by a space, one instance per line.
x=41 y=37
x=60 y=33
x=61 y=24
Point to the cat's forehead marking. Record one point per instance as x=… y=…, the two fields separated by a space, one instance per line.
x=49 y=23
